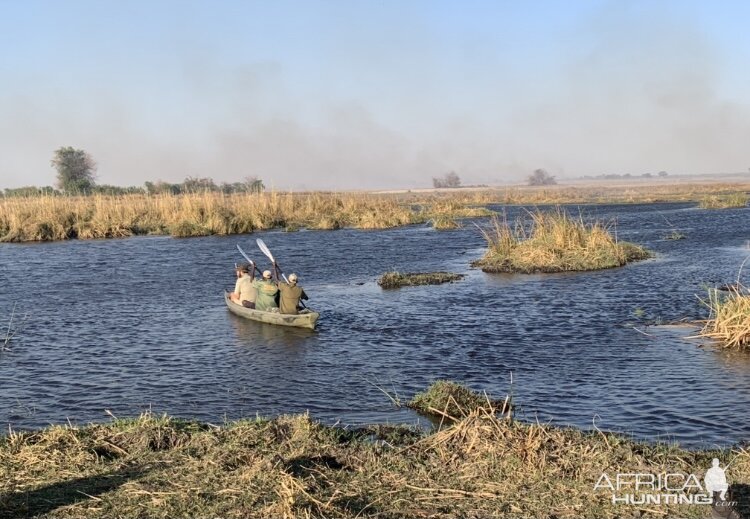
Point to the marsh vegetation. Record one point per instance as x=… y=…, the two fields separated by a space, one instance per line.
x=729 y=320
x=554 y=241
x=46 y=217
x=724 y=201
x=401 y=279
x=478 y=464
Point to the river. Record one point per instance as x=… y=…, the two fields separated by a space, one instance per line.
x=129 y=325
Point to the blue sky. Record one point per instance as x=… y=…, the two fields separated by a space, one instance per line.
x=373 y=94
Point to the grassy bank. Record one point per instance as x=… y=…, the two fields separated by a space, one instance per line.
x=59 y=218
x=42 y=218
x=479 y=464
x=399 y=279
x=554 y=242
x=729 y=320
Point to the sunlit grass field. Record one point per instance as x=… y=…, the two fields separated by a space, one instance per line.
x=45 y=218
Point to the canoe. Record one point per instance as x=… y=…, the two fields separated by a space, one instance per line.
x=305 y=319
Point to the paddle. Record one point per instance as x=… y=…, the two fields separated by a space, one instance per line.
x=265 y=250
x=252 y=263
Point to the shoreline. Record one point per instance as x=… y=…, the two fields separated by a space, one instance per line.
x=55 y=218
x=293 y=466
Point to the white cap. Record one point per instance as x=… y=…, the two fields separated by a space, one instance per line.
x=266 y=274
x=292 y=278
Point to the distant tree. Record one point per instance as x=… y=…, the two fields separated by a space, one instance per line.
x=106 y=189
x=75 y=170
x=647 y=175
x=27 y=191
x=663 y=173
x=449 y=180
x=160 y=187
x=193 y=185
x=254 y=184
x=540 y=177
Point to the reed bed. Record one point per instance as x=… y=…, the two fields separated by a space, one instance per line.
x=401 y=279
x=728 y=201
x=49 y=217
x=729 y=319
x=478 y=464
x=58 y=218
x=554 y=241
x=598 y=193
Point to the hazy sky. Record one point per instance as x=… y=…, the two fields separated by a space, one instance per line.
x=373 y=94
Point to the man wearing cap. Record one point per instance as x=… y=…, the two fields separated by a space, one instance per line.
x=290 y=295
x=267 y=291
x=244 y=292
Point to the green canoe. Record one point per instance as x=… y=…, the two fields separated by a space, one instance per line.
x=305 y=319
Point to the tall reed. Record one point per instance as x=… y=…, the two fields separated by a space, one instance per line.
x=553 y=242
x=729 y=318
x=725 y=201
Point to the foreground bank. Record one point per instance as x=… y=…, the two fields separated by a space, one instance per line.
x=481 y=465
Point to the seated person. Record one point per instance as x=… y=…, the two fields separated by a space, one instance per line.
x=267 y=290
x=290 y=295
x=244 y=292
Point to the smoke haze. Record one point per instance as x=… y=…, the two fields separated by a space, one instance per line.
x=376 y=95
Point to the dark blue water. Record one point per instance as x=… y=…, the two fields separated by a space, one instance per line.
x=136 y=324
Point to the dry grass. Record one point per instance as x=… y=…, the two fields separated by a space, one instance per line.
x=729 y=319
x=479 y=465
x=728 y=201
x=447 y=399
x=44 y=218
x=554 y=242
x=399 y=279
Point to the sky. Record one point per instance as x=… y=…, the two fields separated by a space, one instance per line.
x=366 y=94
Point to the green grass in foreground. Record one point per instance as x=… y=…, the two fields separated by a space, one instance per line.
x=399 y=279
x=478 y=465
x=554 y=242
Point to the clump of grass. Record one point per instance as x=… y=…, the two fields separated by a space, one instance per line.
x=675 y=235
x=729 y=318
x=399 y=279
x=481 y=465
x=444 y=223
x=449 y=399
x=554 y=242
x=728 y=201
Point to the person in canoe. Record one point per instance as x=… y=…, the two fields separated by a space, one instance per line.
x=244 y=292
x=267 y=291
x=290 y=295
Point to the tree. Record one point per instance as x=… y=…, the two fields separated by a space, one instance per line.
x=449 y=180
x=540 y=177
x=75 y=170
x=663 y=173
x=198 y=185
x=254 y=184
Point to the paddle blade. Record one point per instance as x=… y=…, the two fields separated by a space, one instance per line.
x=264 y=249
x=244 y=255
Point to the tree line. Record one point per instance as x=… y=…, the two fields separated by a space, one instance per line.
x=76 y=175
